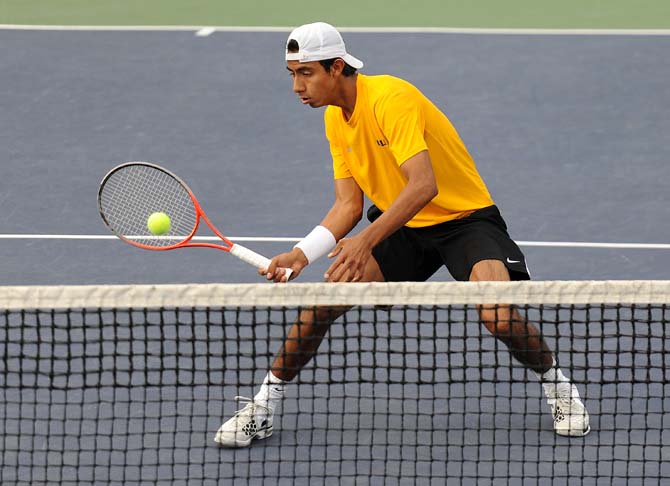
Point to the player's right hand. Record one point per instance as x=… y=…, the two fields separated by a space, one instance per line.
x=295 y=260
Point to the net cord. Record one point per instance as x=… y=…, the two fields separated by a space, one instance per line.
x=310 y=294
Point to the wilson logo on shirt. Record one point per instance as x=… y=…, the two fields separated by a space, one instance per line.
x=382 y=143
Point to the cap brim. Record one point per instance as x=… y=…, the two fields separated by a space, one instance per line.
x=352 y=61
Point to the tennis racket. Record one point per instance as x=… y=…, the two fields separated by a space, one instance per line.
x=133 y=191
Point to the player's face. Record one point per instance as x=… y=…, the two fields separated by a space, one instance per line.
x=313 y=85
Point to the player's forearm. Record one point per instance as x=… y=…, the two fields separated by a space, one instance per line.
x=409 y=202
x=342 y=217
x=421 y=188
x=405 y=207
x=340 y=220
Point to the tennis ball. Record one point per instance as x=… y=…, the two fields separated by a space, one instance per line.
x=158 y=223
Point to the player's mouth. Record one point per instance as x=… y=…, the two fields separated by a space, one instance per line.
x=304 y=100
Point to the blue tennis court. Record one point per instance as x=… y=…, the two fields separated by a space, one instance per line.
x=568 y=131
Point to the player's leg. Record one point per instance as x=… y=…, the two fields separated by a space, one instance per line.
x=478 y=247
x=528 y=346
x=504 y=321
x=255 y=420
x=398 y=258
x=303 y=339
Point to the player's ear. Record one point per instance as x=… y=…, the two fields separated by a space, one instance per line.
x=337 y=67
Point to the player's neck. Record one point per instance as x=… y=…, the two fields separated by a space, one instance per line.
x=346 y=96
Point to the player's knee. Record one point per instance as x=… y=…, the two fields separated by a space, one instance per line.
x=497 y=319
x=326 y=315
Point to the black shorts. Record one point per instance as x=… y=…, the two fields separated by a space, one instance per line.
x=414 y=254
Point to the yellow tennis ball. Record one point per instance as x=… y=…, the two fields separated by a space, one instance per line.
x=158 y=223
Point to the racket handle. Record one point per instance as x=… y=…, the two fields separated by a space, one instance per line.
x=253 y=258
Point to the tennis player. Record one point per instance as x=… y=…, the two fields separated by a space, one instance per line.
x=431 y=208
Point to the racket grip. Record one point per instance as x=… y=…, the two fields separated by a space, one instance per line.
x=253 y=258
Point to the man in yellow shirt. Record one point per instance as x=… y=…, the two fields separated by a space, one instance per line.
x=431 y=208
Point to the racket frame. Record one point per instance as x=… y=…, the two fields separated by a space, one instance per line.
x=241 y=252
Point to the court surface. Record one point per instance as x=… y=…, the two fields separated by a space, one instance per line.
x=569 y=132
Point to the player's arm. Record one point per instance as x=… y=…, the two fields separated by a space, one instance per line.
x=353 y=253
x=420 y=190
x=342 y=217
x=347 y=209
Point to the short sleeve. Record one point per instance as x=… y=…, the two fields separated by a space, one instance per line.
x=402 y=119
x=340 y=169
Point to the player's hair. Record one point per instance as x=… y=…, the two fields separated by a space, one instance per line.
x=326 y=63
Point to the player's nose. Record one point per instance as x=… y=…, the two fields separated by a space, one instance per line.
x=298 y=87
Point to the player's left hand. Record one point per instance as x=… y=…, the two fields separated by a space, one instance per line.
x=351 y=256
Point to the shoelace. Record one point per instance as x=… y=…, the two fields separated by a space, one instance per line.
x=568 y=402
x=249 y=401
x=558 y=391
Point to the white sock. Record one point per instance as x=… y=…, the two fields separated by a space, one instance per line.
x=271 y=392
x=551 y=378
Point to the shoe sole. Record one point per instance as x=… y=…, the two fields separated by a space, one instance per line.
x=238 y=444
x=568 y=432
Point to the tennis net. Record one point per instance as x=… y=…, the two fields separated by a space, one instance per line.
x=127 y=385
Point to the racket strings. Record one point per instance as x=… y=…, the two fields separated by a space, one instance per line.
x=131 y=194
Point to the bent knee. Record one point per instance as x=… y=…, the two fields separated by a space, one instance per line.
x=498 y=319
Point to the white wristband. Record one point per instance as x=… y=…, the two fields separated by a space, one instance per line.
x=317 y=243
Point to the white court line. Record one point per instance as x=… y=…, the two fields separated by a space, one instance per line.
x=206 y=32
x=201 y=30
x=269 y=239
x=580 y=244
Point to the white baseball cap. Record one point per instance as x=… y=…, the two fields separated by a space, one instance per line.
x=319 y=41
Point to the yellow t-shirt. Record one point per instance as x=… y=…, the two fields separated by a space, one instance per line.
x=392 y=121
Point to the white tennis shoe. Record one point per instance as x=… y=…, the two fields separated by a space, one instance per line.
x=570 y=415
x=254 y=421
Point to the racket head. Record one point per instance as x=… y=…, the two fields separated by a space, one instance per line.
x=132 y=191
